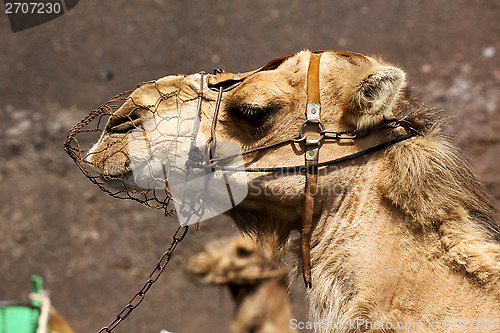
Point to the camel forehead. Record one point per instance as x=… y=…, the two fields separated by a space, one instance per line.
x=291 y=71
x=343 y=66
x=329 y=59
x=149 y=93
x=301 y=59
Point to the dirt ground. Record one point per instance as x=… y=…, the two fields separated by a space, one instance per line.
x=94 y=252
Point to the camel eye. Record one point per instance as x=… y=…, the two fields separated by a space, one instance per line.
x=253 y=115
x=243 y=252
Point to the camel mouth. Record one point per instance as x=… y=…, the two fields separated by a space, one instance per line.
x=106 y=170
x=155 y=155
x=115 y=176
x=120 y=184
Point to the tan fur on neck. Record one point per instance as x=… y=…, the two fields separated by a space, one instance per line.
x=430 y=181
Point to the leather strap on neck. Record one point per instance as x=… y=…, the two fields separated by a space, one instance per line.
x=305 y=233
x=311 y=158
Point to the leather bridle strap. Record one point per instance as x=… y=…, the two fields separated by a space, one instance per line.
x=313 y=110
x=299 y=168
x=211 y=142
x=229 y=79
x=313 y=93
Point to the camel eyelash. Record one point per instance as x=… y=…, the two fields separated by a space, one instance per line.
x=253 y=115
x=252 y=111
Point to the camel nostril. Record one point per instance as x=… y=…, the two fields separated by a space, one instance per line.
x=123 y=123
x=126 y=125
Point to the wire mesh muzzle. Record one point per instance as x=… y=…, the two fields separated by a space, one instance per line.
x=87 y=132
x=145 y=145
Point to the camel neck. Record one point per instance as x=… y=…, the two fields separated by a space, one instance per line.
x=369 y=266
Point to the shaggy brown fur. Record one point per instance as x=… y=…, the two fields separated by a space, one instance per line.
x=255 y=278
x=401 y=236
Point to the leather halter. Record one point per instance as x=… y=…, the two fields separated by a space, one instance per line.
x=223 y=81
x=313 y=110
x=225 y=78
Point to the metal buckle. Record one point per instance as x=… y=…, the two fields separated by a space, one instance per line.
x=313 y=112
x=312 y=121
x=312 y=150
x=312 y=145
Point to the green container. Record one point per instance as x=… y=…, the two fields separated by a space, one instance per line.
x=18 y=318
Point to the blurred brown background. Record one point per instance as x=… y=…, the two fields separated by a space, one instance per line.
x=94 y=251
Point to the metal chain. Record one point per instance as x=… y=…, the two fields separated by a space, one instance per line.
x=179 y=235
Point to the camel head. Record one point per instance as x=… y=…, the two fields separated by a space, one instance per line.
x=235 y=261
x=148 y=140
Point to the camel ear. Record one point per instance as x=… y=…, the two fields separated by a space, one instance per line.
x=374 y=96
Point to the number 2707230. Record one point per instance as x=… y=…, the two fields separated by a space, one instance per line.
x=32 y=8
